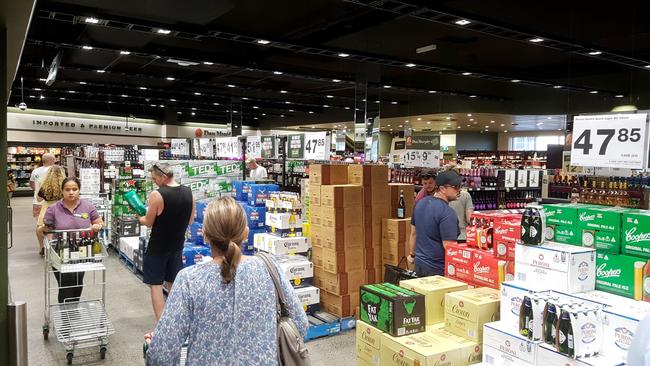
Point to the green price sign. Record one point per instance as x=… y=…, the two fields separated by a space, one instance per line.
x=295 y=146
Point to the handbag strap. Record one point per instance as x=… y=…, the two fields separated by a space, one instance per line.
x=275 y=277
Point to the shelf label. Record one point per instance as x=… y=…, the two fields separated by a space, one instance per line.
x=522 y=178
x=228 y=147
x=510 y=178
x=421 y=158
x=610 y=141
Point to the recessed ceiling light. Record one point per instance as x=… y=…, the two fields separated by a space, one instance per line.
x=62 y=98
x=647 y=66
x=142 y=88
x=125 y=52
x=263 y=41
x=43 y=79
x=193 y=113
x=387 y=125
x=81 y=82
x=471 y=119
x=410 y=65
x=462 y=22
x=91 y=20
x=152 y=105
x=283 y=91
x=491 y=121
x=291 y=110
x=325 y=105
x=457 y=126
x=193 y=108
x=393 y=102
x=506 y=131
x=593 y=92
x=466 y=73
x=391 y=129
x=429 y=122
x=163 y=31
x=469 y=125
x=101 y=71
x=124 y=96
x=287 y=102
x=311 y=112
x=282 y=115
x=162 y=106
x=472 y=96
x=256 y=107
x=71 y=91
x=469 y=114
x=234 y=111
x=407 y=121
x=400 y=126
x=540 y=123
x=536 y=40
x=277 y=72
x=347 y=107
x=172 y=100
x=595 y=53
x=215 y=103
x=230 y=85
x=110 y=102
x=264 y=114
x=197 y=93
x=620 y=96
x=502 y=125
x=87 y=47
x=419 y=118
x=448 y=118
x=313 y=127
x=329 y=96
x=170 y=78
x=557 y=87
x=342 y=54
x=432 y=91
x=208 y=63
x=336 y=80
x=387 y=86
x=32 y=96
x=179 y=112
x=376 y=102
x=515 y=80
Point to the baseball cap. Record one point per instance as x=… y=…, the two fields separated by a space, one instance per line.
x=448 y=178
x=427 y=173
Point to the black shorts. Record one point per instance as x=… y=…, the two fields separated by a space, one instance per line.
x=159 y=268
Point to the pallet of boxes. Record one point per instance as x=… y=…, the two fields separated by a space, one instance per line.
x=396 y=230
x=575 y=299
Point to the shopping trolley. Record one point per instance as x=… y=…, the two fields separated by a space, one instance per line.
x=77 y=324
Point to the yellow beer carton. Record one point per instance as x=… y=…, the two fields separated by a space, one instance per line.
x=470 y=352
x=467 y=311
x=434 y=289
x=368 y=343
x=420 y=349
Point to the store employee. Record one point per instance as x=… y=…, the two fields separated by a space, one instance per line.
x=256 y=171
x=434 y=225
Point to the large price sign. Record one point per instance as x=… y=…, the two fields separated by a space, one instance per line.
x=611 y=140
x=228 y=147
x=317 y=146
x=206 y=148
x=180 y=147
x=253 y=147
x=421 y=158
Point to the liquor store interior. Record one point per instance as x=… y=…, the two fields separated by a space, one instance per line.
x=350 y=182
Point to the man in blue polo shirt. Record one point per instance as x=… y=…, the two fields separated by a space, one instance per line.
x=434 y=225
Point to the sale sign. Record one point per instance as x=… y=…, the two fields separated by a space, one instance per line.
x=610 y=140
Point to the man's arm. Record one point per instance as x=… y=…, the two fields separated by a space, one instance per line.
x=193 y=211
x=155 y=206
x=449 y=229
x=469 y=208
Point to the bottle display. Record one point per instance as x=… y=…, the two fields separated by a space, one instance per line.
x=526 y=318
x=533 y=226
x=564 y=335
x=608 y=191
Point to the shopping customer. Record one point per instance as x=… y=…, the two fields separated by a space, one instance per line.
x=51 y=191
x=463 y=206
x=226 y=308
x=256 y=171
x=428 y=178
x=11 y=186
x=35 y=180
x=170 y=211
x=433 y=226
x=71 y=213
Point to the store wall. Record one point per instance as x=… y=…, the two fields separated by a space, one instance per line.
x=469 y=140
x=68 y=138
x=504 y=138
x=385 y=142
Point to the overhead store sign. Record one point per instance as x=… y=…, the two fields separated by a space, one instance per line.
x=269 y=147
x=317 y=146
x=422 y=150
x=610 y=141
x=228 y=147
x=55 y=123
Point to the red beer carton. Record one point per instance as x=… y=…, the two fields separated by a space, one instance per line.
x=507 y=231
x=485 y=269
x=459 y=255
x=470 y=236
x=463 y=274
x=504 y=249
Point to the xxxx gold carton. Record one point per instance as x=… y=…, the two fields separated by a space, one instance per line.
x=434 y=289
x=467 y=311
x=422 y=349
x=470 y=352
x=368 y=344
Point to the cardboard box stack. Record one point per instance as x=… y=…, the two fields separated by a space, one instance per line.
x=284 y=240
x=253 y=198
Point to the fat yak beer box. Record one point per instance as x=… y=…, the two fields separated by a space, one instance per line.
x=392 y=309
x=467 y=311
x=434 y=289
x=635 y=234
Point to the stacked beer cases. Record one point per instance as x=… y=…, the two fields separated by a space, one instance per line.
x=196 y=250
x=284 y=240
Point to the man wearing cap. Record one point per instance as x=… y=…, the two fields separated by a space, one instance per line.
x=170 y=211
x=256 y=171
x=434 y=225
x=428 y=178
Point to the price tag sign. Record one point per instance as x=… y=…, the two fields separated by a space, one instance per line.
x=295 y=146
x=268 y=147
x=421 y=158
x=253 y=147
x=611 y=140
x=206 y=148
x=228 y=147
x=180 y=147
x=317 y=146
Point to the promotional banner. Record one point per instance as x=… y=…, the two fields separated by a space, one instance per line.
x=228 y=147
x=610 y=140
x=206 y=148
x=269 y=147
x=295 y=146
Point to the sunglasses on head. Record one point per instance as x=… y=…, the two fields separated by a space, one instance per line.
x=156 y=167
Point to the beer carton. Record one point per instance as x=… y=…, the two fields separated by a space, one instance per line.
x=344 y=195
x=620 y=324
x=569 y=268
x=340 y=283
x=278 y=245
x=547 y=355
x=298 y=269
x=422 y=349
x=562 y=234
x=602 y=241
x=458 y=257
x=512 y=295
x=434 y=289
x=505 y=236
x=600 y=218
x=324 y=174
x=505 y=347
x=620 y=274
x=561 y=214
x=635 y=235
x=308 y=295
x=392 y=309
x=340 y=305
x=486 y=269
x=467 y=311
x=470 y=352
x=343 y=261
x=283 y=221
x=604 y=299
x=367 y=174
x=368 y=343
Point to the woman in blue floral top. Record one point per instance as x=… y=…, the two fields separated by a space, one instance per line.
x=224 y=309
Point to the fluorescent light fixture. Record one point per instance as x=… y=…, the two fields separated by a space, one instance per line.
x=81 y=82
x=472 y=96
x=142 y=88
x=179 y=112
x=387 y=86
x=197 y=93
x=325 y=105
x=557 y=87
x=71 y=91
x=125 y=52
x=393 y=102
x=291 y=110
x=208 y=63
x=471 y=119
x=486 y=127
x=234 y=111
x=329 y=96
x=264 y=114
x=595 y=53
x=91 y=20
x=162 y=106
x=376 y=102
x=462 y=22
x=432 y=91
x=42 y=79
x=244 y=98
x=282 y=115
x=170 y=78
x=124 y=96
x=215 y=103
x=311 y=112
x=410 y=65
x=467 y=73
x=283 y=91
x=41 y=97
x=593 y=92
x=193 y=113
x=101 y=71
x=469 y=114
x=515 y=80
x=502 y=125
x=86 y=47
x=256 y=107
x=231 y=86
x=62 y=98
x=263 y=41
x=387 y=125
x=347 y=107
x=492 y=121
x=506 y=131
x=277 y=72
x=172 y=100
x=647 y=66
x=343 y=54
x=620 y=96
x=536 y=40
x=336 y=80
x=255 y=118
x=313 y=126
x=193 y=108
x=400 y=126
x=163 y=31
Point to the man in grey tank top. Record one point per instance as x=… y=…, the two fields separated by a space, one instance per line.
x=170 y=210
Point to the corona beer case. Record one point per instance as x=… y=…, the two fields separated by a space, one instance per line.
x=278 y=245
x=620 y=323
x=423 y=349
x=504 y=347
x=635 y=235
x=434 y=289
x=368 y=343
x=298 y=269
x=569 y=268
x=512 y=295
x=467 y=311
x=308 y=295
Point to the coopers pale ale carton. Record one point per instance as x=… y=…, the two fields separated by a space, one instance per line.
x=636 y=233
x=368 y=343
x=504 y=347
x=392 y=309
x=620 y=274
x=467 y=311
x=569 y=268
x=434 y=289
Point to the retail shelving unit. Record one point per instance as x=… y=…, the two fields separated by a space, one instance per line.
x=22 y=160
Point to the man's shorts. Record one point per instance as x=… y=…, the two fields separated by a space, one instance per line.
x=159 y=268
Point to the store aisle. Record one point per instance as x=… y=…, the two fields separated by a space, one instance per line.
x=128 y=307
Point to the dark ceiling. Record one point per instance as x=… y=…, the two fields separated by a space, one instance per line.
x=285 y=58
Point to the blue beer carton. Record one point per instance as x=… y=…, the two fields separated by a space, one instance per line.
x=259 y=193
x=255 y=215
x=193 y=254
x=240 y=189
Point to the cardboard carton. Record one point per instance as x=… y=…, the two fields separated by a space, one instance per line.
x=486 y=269
x=561 y=214
x=317 y=257
x=367 y=174
x=341 y=218
x=323 y=174
x=392 y=309
x=309 y=295
x=345 y=195
x=512 y=295
x=621 y=323
x=315 y=197
x=283 y=221
x=470 y=352
x=434 y=289
x=368 y=343
x=423 y=349
x=315 y=216
x=547 y=355
x=396 y=230
x=505 y=347
x=343 y=261
x=620 y=274
x=467 y=311
x=602 y=241
x=337 y=240
x=600 y=218
x=409 y=198
x=298 y=269
x=278 y=245
x=340 y=283
x=563 y=234
x=372 y=257
x=340 y=305
x=635 y=234
x=376 y=194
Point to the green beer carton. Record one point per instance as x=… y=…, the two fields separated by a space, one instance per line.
x=636 y=233
x=563 y=234
x=601 y=218
x=602 y=241
x=392 y=309
x=620 y=275
x=561 y=213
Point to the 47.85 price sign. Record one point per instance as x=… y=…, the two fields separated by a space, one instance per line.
x=611 y=140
